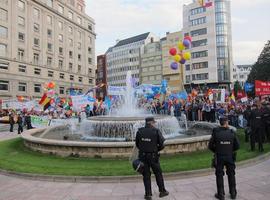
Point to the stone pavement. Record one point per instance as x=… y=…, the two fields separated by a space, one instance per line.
x=253 y=183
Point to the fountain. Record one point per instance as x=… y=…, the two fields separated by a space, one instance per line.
x=113 y=136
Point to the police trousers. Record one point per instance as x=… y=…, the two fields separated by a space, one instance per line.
x=257 y=134
x=228 y=162
x=151 y=161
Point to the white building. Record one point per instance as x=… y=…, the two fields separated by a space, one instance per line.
x=151 y=64
x=241 y=73
x=210 y=28
x=43 y=41
x=126 y=56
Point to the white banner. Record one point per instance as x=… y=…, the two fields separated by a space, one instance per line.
x=116 y=90
x=80 y=101
x=218 y=95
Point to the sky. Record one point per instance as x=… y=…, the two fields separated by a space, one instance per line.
x=120 y=19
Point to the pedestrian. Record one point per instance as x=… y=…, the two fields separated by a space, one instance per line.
x=20 y=124
x=149 y=141
x=11 y=121
x=28 y=121
x=224 y=144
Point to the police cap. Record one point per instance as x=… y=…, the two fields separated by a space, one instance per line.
x=150 y=119
x=223 y=119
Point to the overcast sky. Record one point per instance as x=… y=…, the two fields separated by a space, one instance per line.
x=119 y=19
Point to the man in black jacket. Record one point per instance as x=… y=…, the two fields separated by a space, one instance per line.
x=149 y=141
x=224 y=143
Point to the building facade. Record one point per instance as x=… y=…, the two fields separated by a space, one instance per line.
x=43 y=41
x=101 y=76
x=241 y=73
x=173 y=77
x=151 y=64
x=211 y=49
x=126 y=56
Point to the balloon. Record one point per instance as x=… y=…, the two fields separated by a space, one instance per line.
x=182 y=61
x=181 y=46
x=188 y=38
x=187 y=55
x=177 y=58
x=174 y=65
x=50 y=85
x=173 y=51
x=186 y=43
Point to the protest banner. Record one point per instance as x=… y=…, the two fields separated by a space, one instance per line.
x=116 y=90
x=39 y=122
x=262 y=88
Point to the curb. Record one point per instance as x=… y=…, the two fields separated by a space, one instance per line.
x=124 y=179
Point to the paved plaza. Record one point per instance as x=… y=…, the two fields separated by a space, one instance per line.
x=253 y=183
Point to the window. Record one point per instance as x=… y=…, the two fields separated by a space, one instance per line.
x=49 y=20
x=49 y=61
x=61 y=90
x=187 y=78
x=198 y=10
x=60 y=38
x=20 y=54
x=200 y=65
x=70 y=42
x=198 y=77
x=50 y=73
x=4 y=85
x=3 y=50
x=199 y=54
x=49 y=3
x=220 y=6
x=79 y=20
x=36 y=27
x=36 y=13
x=60 y=64
x=79 y=45
x=61 y=50
x=221 y=40
x=79 y=57
x=37 y=88
x=187 y=67
x=70 y=54
x=60 y=25
x=89 y=50
x=49 y=45
x=22 y=87
x=21 y=21
x=36 y=42
x=70 y=29
x=36 y=58
x=21 y=5
x=89 y=60
x=80 y=79
x=22 y=68
x=70 y=15
x=37 y=71
x=89 y=71
x=198 y=21
x=221 y=18
x=79 y=68
x=198 y=32
x=90 y=40
x=70 y=66
x=21 y=37
x=222 y=52
x=221 y=29
x=61 y=9
x=199 y=43
x=90 y=27
x=4 y=66
x=3 y=32
x=62 y=76
x=3 y=15
x=71 y=77
x=90 y=81
x=49 y=33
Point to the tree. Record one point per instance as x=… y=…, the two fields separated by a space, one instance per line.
x=261 y=69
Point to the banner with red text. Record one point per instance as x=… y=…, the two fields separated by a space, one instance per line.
x=262 y=88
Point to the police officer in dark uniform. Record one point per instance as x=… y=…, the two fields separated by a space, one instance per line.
x=257 y=127
x=149 y=141
x=224 y=143
x=266 y=120
x=247 y=117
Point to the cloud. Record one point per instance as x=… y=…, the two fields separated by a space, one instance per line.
x=237 y=21
x=247 y=52
x=249 y=3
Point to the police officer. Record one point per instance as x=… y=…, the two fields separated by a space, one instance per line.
x=224 y=143
x=257 y=127
x=149 y=141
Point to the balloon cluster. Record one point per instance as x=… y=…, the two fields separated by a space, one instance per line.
x=180 y=57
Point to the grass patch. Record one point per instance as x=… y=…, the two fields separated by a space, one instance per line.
x=14 y=156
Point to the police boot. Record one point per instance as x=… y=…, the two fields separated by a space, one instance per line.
x=163 y=193
x=234 y=194
x=148 y=197
x=220 y=196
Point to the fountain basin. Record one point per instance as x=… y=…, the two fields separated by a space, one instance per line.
x=120 y=149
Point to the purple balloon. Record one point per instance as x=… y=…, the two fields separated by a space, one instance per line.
x=174 y=65
x=186 y=43
x=183 y=61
